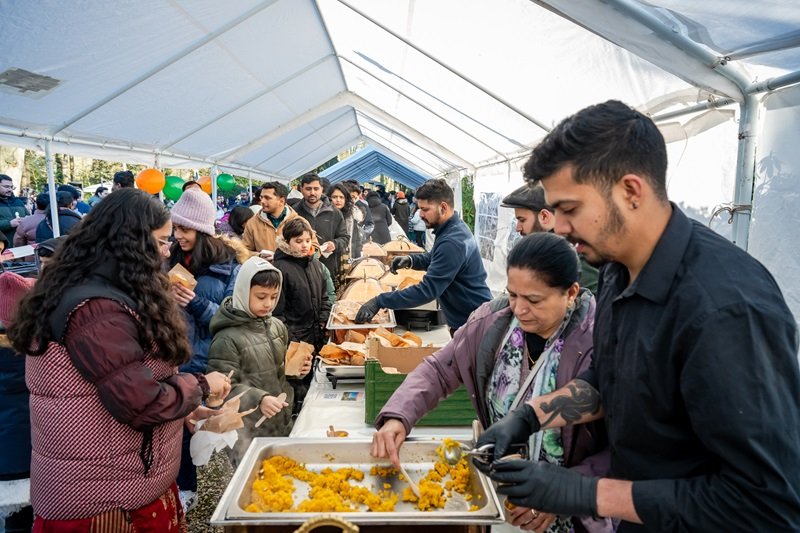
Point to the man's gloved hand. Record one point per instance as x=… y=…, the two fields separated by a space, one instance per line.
x=515 y=427
x=546 y=487
x=367 y=311
x=402 y=261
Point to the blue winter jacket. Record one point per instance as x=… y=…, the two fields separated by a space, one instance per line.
x=455 y=275
x=213 y=285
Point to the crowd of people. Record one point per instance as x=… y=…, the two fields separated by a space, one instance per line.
x=657 y=393
x=139 y=356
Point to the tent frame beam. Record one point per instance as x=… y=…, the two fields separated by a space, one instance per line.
x=381 y=124
x=246 y=102
x=307 y=135
x=395 y=151
x=450 y=69
x=423 y=106
x=174 y=58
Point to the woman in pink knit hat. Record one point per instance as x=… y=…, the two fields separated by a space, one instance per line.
x=214 y=262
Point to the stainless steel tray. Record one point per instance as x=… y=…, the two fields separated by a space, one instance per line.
x=418 y=458
x=332 y=324
x=343 y=371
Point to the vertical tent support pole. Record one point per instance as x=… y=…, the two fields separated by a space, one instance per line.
x=214 y=174
x=51 y=187
x=745 y=170
x=249 y=188
x=157 y=165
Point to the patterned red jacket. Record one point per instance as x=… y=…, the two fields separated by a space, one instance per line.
x=102 y=408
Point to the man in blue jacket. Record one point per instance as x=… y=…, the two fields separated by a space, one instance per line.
x=455 y=273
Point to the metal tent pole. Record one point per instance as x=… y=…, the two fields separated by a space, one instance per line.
x=51 y=187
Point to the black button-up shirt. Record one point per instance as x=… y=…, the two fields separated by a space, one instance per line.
x=696 y=364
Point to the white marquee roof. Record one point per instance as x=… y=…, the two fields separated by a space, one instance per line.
x=276 y=87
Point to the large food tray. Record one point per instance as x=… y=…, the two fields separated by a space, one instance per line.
x=418 y=458
x=333 y=325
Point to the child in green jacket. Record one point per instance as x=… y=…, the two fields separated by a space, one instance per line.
x=249 y=341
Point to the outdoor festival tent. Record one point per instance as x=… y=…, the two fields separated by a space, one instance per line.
x=270 y=89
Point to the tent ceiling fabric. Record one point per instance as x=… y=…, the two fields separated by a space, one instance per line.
x=369 y=163
x=273 y=88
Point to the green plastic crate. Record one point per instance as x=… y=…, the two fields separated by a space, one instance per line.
x=455 y=410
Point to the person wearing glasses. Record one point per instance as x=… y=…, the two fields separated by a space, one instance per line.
x=107 y=403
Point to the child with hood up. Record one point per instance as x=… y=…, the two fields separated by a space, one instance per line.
x=249 y=341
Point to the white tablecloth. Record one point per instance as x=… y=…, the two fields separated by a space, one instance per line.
x=343 y=407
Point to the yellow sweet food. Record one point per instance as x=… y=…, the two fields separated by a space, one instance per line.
x=335 y=491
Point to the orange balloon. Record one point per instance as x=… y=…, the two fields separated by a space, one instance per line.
x=205 y=183
x=151 y=180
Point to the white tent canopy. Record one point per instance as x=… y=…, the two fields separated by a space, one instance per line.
x=273 y=88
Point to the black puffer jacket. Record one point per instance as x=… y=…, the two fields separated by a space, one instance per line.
x=401 y=212
x=381 y=217
x=303 y=304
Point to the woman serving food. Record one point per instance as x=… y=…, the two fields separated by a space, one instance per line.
x=511 y=349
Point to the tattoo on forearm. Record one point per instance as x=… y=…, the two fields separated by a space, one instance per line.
x=582 y=400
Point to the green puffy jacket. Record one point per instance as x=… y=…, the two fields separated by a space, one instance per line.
x=254 y=348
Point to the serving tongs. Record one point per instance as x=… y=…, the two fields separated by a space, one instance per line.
x=484 y=454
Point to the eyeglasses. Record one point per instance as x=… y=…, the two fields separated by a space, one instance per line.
x=165 y=242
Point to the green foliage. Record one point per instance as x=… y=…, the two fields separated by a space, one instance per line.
x=468 y=201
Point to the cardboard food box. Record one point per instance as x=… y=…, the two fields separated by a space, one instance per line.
x=455 y=410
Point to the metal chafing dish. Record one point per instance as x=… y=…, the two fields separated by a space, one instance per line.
x=418 y=457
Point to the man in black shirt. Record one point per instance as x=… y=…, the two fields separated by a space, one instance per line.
x=695 y=352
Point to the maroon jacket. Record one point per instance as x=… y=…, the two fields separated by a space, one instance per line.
x=100 y=404
x=469 y=359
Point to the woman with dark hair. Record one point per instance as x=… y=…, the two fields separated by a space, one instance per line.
x=232 y=223
x=211 y=260
x=525 y=344
x=238 y=218
x=339 y=195
x=103 y=340
x=214 y=265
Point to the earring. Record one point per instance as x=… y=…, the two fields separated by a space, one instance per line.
x=635 y=205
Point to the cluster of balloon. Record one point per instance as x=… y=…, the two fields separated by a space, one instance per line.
x=151 y=180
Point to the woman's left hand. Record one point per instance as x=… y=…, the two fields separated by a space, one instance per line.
x=530 y=519
x=182 y=295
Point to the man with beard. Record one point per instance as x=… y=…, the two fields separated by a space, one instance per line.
x=326 y=220
x=695 y=352
x=12 y=209
x=455 y=273
x=534 y=215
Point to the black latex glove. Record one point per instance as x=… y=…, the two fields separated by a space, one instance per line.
x=546 y=487
x=400 y=262
x=515 y=427
x=367 y=311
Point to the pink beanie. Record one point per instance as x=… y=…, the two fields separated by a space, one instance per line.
x=12 y=288
x=195 y=210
